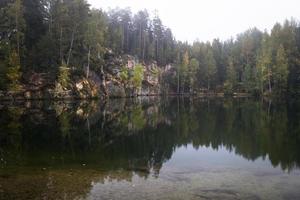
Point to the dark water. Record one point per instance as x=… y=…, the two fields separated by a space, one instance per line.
x=150 y=149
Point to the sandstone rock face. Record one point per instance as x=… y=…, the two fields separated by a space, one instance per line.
x=115 y=89
x=105 y=80
x=60 y=92
x=149 y=89
x=84 y=89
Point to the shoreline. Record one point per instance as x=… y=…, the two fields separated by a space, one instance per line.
x=12 y=98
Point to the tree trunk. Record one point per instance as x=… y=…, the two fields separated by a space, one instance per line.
x=208 y=85
x=269 y=79
x=156 y=49
x=144 y=44
x=60 y=46
x=123 y=35
x=103 y=83
x=88 y=65
x=50 y=23
x=178 y=83
x=191 y=86
x=269 y=107
x=261 y=84
x=17 y=28
x=71 y=47
x=140 y=43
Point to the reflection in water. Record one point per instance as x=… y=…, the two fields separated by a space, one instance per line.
x=80 y=149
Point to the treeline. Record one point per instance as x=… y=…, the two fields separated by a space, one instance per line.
x=255 y=62
x=42 y=35
x=46 y=35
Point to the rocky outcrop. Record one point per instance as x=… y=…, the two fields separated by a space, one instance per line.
x=81 y=88
x=85 y=88
x=105 y=82
x=38 y=81
x=115 y=89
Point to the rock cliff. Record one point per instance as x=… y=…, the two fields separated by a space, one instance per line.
x=116 y=78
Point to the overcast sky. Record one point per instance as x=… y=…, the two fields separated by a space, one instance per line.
x=208 y=19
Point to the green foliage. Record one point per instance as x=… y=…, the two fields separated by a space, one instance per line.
x=12 y=32
x=250 y=80
x=3 y=76
x=64 y=75
x=193 y=68
x=281 y=71
x=264 y=65
x=231 y=80
x=124 y=75
x=14 y=72
x=154 y=71
x=138 y=75
x=95 y=37
x=16 y=25
x=211 y=68
x=184 y=64
x=45 y=34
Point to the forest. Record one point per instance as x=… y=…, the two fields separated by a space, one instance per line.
x=50 y=36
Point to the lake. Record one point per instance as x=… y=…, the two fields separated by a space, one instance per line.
x=150 y=148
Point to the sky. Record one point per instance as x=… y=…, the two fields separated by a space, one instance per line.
x=205 y=20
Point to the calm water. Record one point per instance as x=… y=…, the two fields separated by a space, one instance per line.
x=150 y=149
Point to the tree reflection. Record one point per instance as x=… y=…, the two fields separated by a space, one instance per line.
x=140 y=135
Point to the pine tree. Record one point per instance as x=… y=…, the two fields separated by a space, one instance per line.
x=13 y=37
x=16 y=24
x=94 y=40
x=193 y=68
x=281 y=70
x=231 y=77
x=184 y=70
x=264 y=65
x=211 y=68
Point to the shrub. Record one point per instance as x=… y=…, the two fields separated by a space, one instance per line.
x=64 y=75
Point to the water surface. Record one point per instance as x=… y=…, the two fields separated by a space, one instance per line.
x=150 y=148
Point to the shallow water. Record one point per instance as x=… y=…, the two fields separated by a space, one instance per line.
x=150 y=148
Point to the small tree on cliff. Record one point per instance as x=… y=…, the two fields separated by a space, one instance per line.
x=124 y=76
x=137 y=78
x=64 y=75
